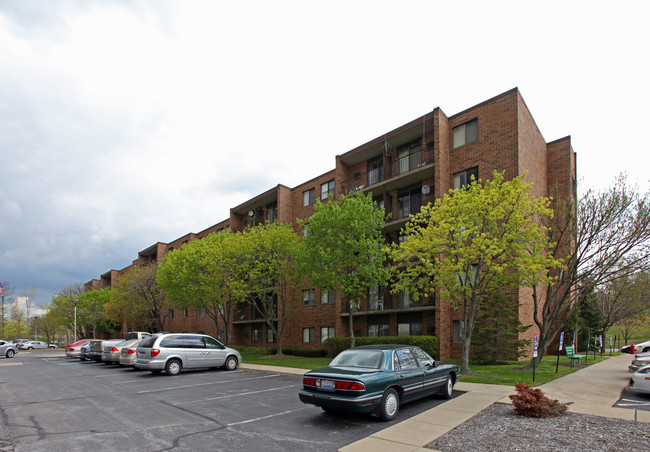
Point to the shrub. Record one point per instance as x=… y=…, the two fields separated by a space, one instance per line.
x=305 y=352
x=532 y=402
x=336 y=345
x=254 y=350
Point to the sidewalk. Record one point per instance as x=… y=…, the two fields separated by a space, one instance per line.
x=593 y=390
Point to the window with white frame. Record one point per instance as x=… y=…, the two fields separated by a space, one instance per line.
x=327 y=189
x=465 y=133
x=327 y=297
x=308 y=197
x=326 y=332
x=308 y=297
x=309 y=335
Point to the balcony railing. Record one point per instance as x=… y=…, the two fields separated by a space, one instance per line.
x=402 y=165
x=389 y=301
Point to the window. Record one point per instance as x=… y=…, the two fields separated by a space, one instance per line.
x=172 y=342
x=171 y=313
x=423 y=358
x=193 y=342
x=326 y=189
x=409 y=156
x=409 y=325
x=378 y=326
x=272 y=212
x=308 y=297
x=305 y=230
x=404 y=359
x=186 y=312
x=270 y=337
x=375 y=170
x=409 y=201
x=375 y=300
x=211 y=343
x=257 y=334
x=327 y=297
x=465 y=134
x=308 y=197
x=200 y=312
x=464 y=178
x=326 y=332
x=457 y=337
x=309 y=335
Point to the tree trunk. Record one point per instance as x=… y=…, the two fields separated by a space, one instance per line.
x=351 y=325
x=464 y=365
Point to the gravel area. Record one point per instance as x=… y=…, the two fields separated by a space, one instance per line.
x=498 y=428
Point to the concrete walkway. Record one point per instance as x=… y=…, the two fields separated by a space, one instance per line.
x=593 y=390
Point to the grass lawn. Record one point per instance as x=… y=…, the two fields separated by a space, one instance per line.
x=506 y=374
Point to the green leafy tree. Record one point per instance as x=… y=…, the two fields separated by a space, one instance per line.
x=469 y=240
x=136 y=294
x=62 y=307
x=197 y=276
x=91 y=317
x=600 y=238
x=344 y=248
x=264 y=272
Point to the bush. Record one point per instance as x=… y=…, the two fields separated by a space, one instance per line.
x=533 y=403
x=336 y=345
x=305 y=352
x=254 y=350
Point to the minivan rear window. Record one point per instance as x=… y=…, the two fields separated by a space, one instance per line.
x=148 y=342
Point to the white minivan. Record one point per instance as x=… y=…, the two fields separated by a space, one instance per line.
x=172 y=352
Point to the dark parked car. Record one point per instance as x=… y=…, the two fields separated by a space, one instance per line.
x=377 y=379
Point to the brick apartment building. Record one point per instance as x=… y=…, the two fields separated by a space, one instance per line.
x=403 y=169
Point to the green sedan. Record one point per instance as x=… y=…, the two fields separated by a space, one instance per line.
x=377 y=379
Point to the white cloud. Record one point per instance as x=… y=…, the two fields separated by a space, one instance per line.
x=127 y=123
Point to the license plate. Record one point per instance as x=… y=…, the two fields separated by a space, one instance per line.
x=327 y=384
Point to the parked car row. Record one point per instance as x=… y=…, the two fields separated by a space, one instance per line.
x=170 y=352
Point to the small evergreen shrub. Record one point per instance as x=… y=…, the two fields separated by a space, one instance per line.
x=532 y=402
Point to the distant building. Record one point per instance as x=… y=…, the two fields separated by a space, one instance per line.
x=404 y=169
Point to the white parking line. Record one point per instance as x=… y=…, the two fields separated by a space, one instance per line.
x=200 y=384
x=265 y=417
x=236 y=395
x=144 y=380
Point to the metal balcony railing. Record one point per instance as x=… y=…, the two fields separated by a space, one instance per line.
x=379 y=173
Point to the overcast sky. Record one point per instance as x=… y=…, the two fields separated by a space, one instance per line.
x=125 y=123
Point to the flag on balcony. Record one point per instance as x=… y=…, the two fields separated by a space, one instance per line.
x=2 y=290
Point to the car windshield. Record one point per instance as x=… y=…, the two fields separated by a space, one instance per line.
x=358 y=358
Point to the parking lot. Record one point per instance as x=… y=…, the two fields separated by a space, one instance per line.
x=49 y=402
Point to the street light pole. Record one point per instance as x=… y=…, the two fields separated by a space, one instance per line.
x=75 y=301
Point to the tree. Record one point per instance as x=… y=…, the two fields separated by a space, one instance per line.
x=600 y=238
x=344 y=248
x=622 y=298
x=91 y=315
x=29 y=293
x=632 y=325
x=197 y=276
x=138 y=290
x=471 y=239
x=62 y=306
x=264 y=271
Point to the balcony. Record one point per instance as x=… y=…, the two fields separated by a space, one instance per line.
x=391 y=304
x=406 y=169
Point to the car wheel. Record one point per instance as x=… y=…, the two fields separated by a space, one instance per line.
x=10 y=353
x=389 y=405
x=447 y=390
x=173 y=367
x=231 y=363
x=30 y=348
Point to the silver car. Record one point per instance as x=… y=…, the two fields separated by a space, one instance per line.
x=8 y=349
x=31 y=345
x=175 y=351
x=112 y=349
x=127 y=355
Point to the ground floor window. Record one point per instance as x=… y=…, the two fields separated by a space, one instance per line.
x=309 y=335
x=270 y=337
x=409 y=325
x=257 y=334
x=378 y=326
x=326 y=332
